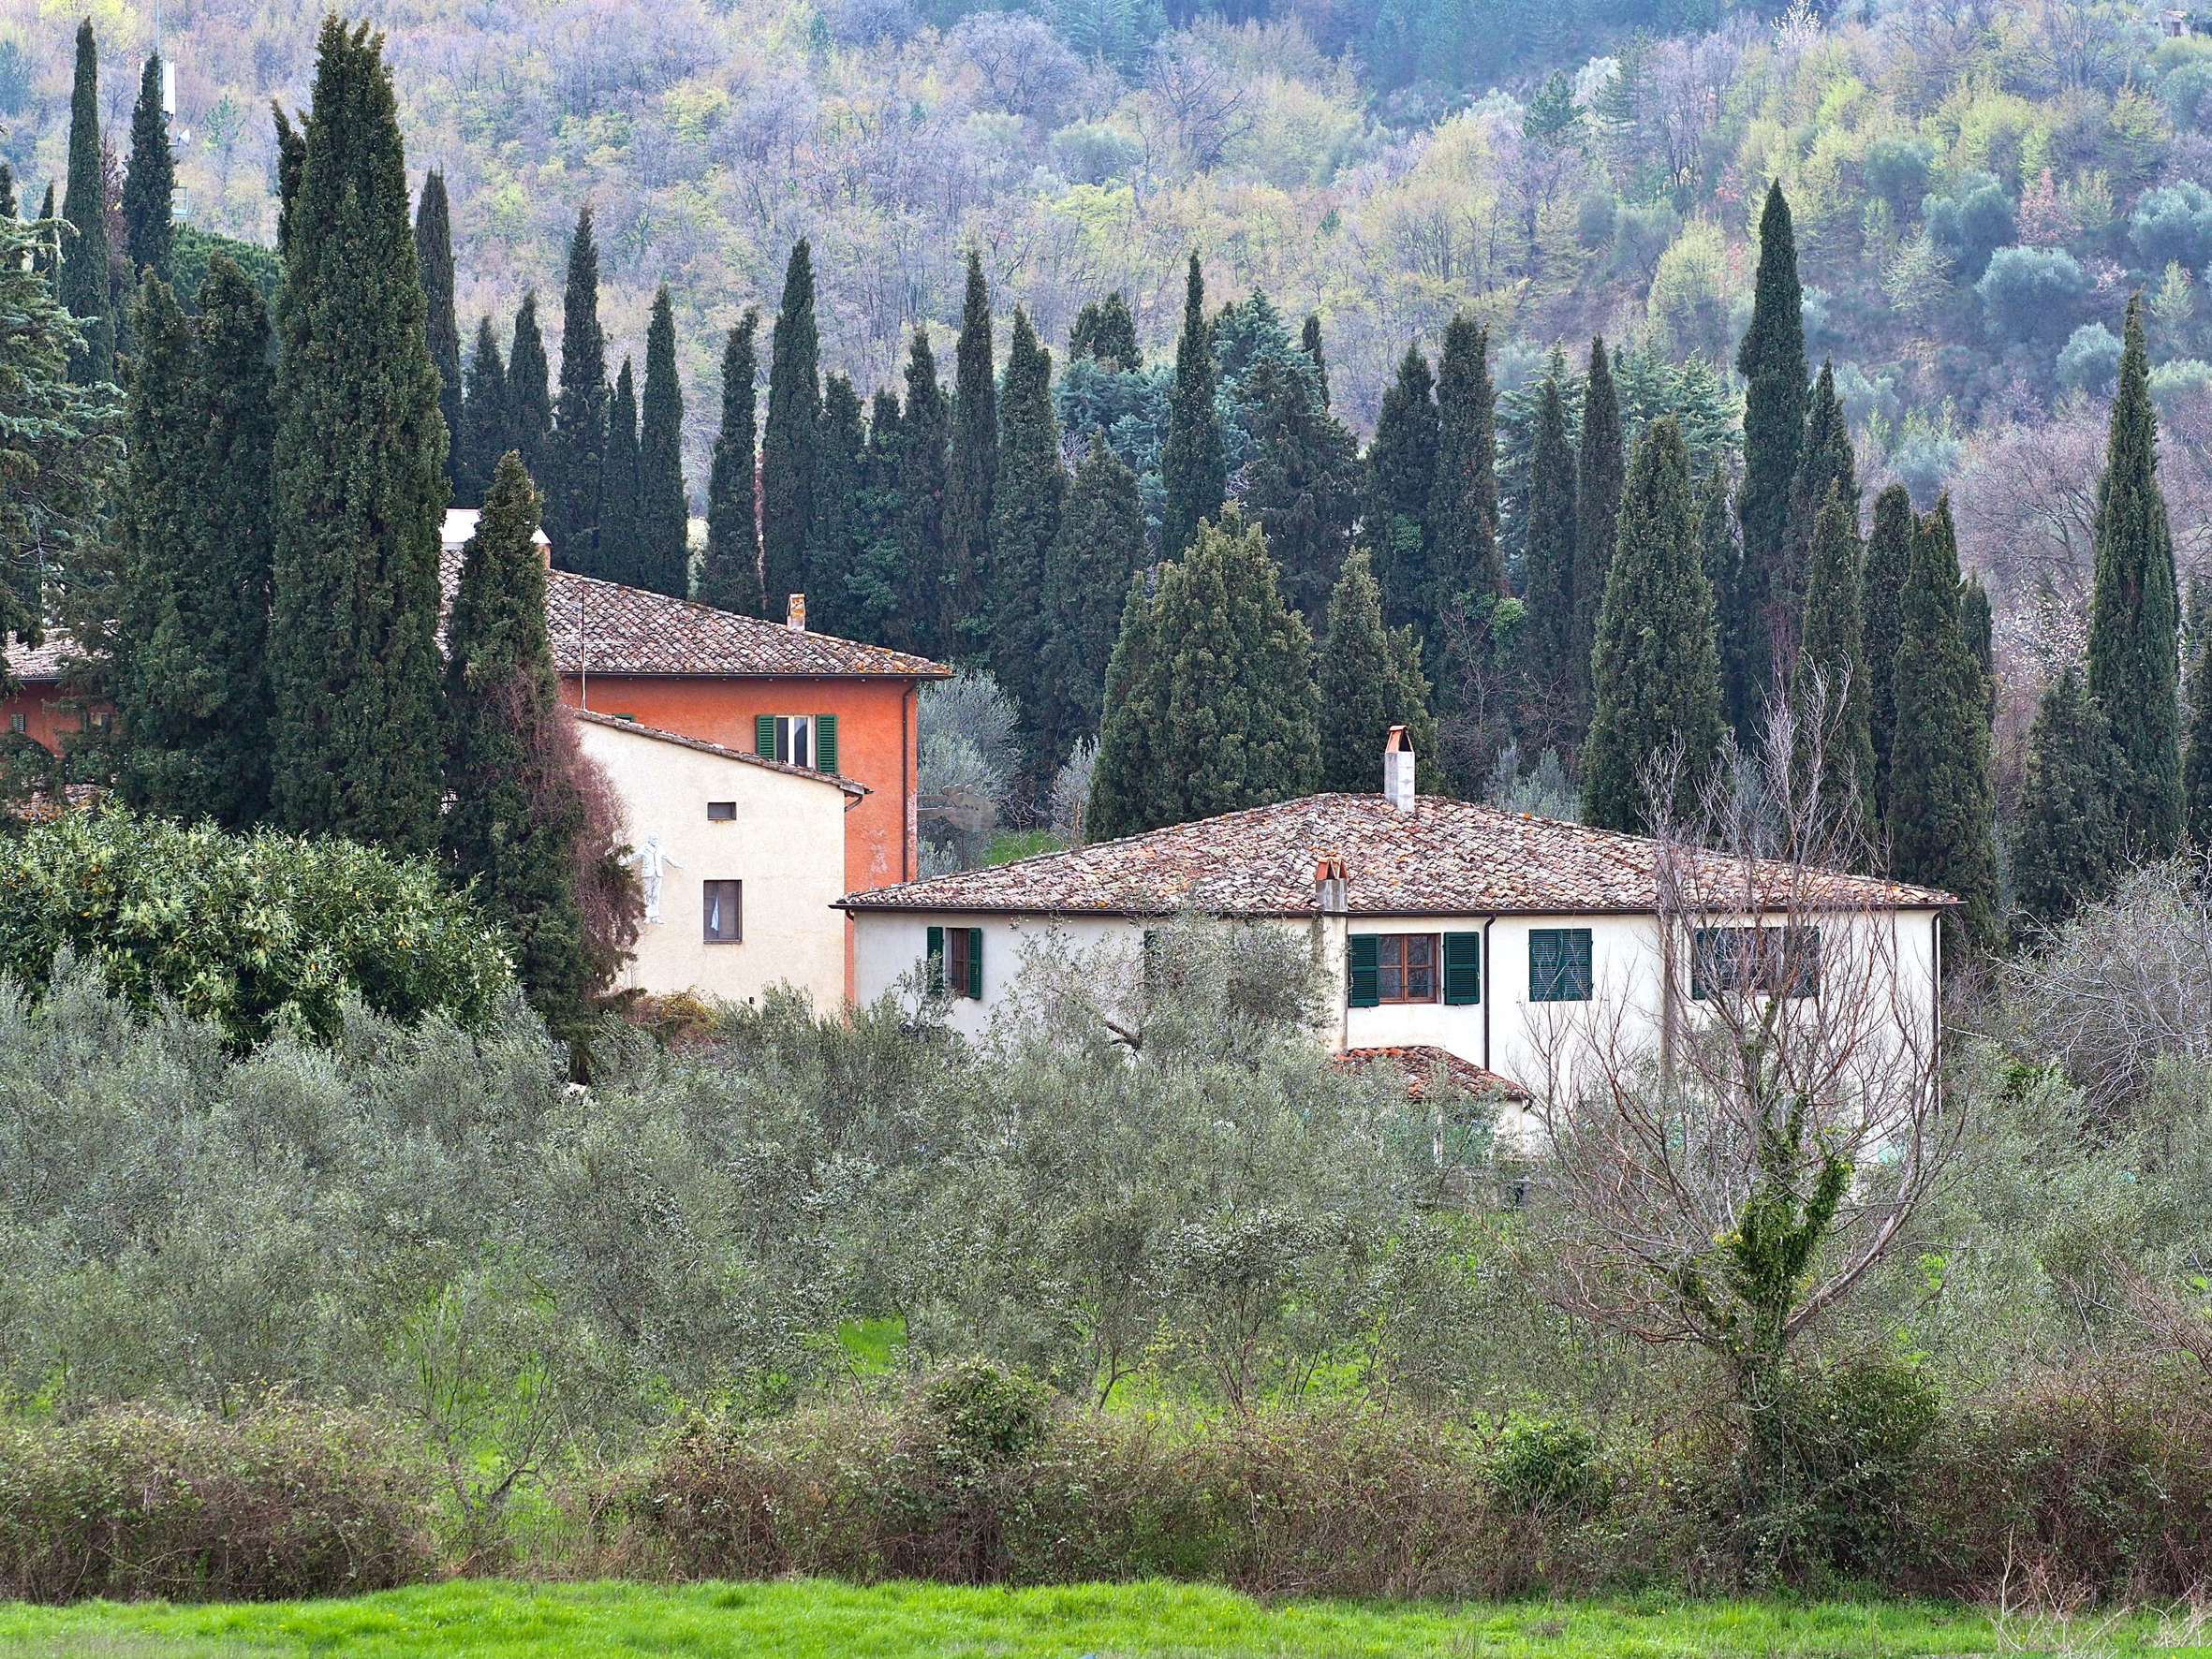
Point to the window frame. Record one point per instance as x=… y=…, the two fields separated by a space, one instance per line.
x=709 y=892
x=721 y=811
x=1561 y=987
x=1405 y=969
x=1787 y=962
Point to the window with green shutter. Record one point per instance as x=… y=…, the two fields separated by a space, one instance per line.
x=963 y=961
x=825 y=742
x=764 y=736
x=1559 y=965
x=975 y=963
x=935 y=977
x=1463 y=968
x=1363 y=989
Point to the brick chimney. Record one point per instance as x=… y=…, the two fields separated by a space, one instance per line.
x=795 y=617
x=1328 y=886
x=1397 y=769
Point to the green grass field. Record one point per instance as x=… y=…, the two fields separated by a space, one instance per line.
x=816 y=1620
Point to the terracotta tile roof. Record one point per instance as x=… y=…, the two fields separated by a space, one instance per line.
x=41 y=661
x=617 y=723
x=1423 y=1064
x=1447 y=857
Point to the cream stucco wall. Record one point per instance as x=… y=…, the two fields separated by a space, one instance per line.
x=786 y=844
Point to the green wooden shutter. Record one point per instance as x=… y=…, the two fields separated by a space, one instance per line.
x=1580 y=981
x=1544 y=964
x=1363 y=983
x=935 y=976
x=825 y=742
x=975 y=963
x=1463 y=968
x=764 y=739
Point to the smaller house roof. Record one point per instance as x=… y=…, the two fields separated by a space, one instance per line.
x=1426 y=1065
x=616 y=723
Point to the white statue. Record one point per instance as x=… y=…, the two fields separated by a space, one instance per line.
x=650 y=858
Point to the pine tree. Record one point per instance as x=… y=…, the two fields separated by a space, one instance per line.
x=1722 y=561
x=1832 y=697
x=1940 y=804
x=1826 y=461
x=358 y=480
x=924 y=583
x=1771 y=360
x=1598 y=467
x=510 y=755
x=1401 y=473
x=1889 y=559
x=2063 y=841
x=1462 y=504
x=577 y=458
x=619 y=554
x=1025 y=503
x=1655 y=669
x=1303 y=485
x=971 y=472
x=664 y=510
x=433 y=257
x=530 y=395
x=1105 y=331
x=151 y=183
x=1192 y=465
x=1309 y=341
x=2134 y=617
x=1101 y=540
x=1547 y=637
x=487 y=421
x=84 y=256
x=788 y=439
x=1126 y=786
x=832 y=555
x=730 y=575
x=1369 y=680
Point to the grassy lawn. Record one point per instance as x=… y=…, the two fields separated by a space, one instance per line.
x=809 y=1619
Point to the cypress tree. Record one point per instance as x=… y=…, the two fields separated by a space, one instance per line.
x=510 y=755
x=1369 y=680
x=151 y=182
x=2062 y=844
x=1191 y=461
x=2196 y=774
x=1105 y=331
x=1309 y=341
x=84 y=256
x=664 y=510
x=1889 y=559
x=1771 y=360
x=433 y=257
x=730 y=575
x=1831 y=696
x=620 y=554
x=1598 y=472
x=44 y=263
x=2134 y=617
x=1978 y=629
x=788 y=439
x=1401 y=473
x=9 y=207
x=925 y=583
x=832 y=555
x=1723 y=562
x=870 y=602
x=1656 y=670
x=1101 y=540
x=529 y=394
x=1547 y=637
x=1125 y=784
x=972 y=474
x=487 y=421
x=1025 y=503
x=1303 y=486
x=1940 y=804
x=577 y=456
x=1462 y=504
x=1826 y=462
x=358 y=480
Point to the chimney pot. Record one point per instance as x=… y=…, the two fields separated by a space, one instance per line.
x=1328 y=886
x=795 y=617
x=1397 y=771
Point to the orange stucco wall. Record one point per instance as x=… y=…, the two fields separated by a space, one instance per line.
x=43 y=719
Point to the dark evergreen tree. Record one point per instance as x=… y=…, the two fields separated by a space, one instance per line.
x=1463 y=502
x=1600 y=465
x=2062 y=842
x=788 y=440
x=84 y=256
x=1101 y=540
x=1826 y=461
x=1771 y=360
x=923 y=621
x=1126 y=786
x=832 y=556
x=529 y=394
x=1104 y=330
x=1978 y=628
x=9 y=208
x=663 y=509
x=1369 y=680
x=358 y=480
x=1939 y=805
x=619 y=556
x=1547 y=581
x=577 y=458
x=1831 y=695
x=2134 y=617
x=1656 y=670
x=151 y=183
x=1889 y=561
x=1309 y=341
x=729 y=575
x=971 y=472
x=1303 y=486
x=1026 y=502
x=1722 y=560
x=870 y=603
x=487 y=421
x=510 y=755
x=44 y=263
x=433 y=257
x=1401 y=473
x=1192 y=463
x=2196 y=709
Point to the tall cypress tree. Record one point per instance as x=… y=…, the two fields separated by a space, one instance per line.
x=44 y=263
x=2062 y=842
x=1303 y=485
x=1401 y=473
x=1771 y=360
x=1192 y=463
x=1825 y=462
x=1369 y=680
x=834 y=553
x=972 y=474
x=1309 y=341
x=529 y=394
x=1722 y=560
x=151 y=183
x=1101 y=540
x=730 y=575
x=1978 y=629
x=1547 y=638
x=1462 y=504
x=487 y=421
x=1599 y=465
x=788 y=439
x=1026 y=505
x=433 y=257
x=664 y=511
x=2134 y=617
x=510 y=755
x=1655 y=670
x=1126 y=785
x=2196 y=772
x=9 y=208
x=872 y=588
x=358 y=480
x=1831 y=696
x=1105 y=331
x=84 y=256
x=1889 y=559
x=620 y=555
x=577 y=455
x=1940 y=804
x=925 y=583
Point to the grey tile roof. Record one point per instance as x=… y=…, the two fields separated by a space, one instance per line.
x=617 y=723
x=1447 y=857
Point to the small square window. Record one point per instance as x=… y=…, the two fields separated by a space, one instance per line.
x=721 y=811
x=724 y=911
x=18 y=723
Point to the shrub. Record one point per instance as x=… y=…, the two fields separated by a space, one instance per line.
x=2173 y=223
x=281 y=1501
x=1542 y=1466
x=2032 y=294
x=1972 y=225
x=248 y=930
x=2090 y=358
x=1896 y=169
